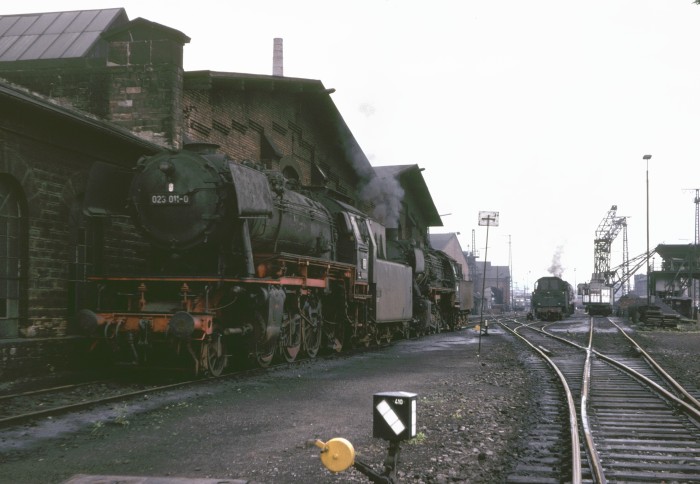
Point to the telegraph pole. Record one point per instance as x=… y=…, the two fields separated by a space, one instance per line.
x=488 y=219
x=510 y=263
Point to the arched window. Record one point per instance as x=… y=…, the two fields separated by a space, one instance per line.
x=12 y=248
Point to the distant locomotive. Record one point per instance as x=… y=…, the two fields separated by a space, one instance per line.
x=241 y=264
x=553 y=299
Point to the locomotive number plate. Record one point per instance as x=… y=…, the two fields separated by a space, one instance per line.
x=170 y=199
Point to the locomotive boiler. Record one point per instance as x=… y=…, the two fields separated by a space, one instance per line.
x=552 y=299
x=238 y=264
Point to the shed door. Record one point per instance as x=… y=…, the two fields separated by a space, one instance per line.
x=10 y=259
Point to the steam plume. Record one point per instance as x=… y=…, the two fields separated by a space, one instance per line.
x=385 y=194
x=556 y=268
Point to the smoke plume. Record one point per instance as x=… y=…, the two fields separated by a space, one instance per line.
x=556 y=268
x=385 y=195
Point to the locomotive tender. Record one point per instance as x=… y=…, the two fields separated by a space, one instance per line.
x=552 y=299
x=243 y=265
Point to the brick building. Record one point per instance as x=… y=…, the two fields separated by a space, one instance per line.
x=497 y=286
x=86 y=86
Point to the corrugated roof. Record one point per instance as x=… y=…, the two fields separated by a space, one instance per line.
x=55 y=35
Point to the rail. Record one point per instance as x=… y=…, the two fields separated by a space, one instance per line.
x=573 y=422
x=593 y=457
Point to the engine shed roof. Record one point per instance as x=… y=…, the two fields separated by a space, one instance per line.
x=56 y=35
x=411 y=178
x=73 y=35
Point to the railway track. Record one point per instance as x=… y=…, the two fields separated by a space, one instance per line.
x=47 y=402
x=552 y=454
x=631 y=422
x=29 y=406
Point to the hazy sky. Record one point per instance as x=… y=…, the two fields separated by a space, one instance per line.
x=540 y=110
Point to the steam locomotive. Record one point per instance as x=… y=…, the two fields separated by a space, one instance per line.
x=243 y=266
x=553 y=299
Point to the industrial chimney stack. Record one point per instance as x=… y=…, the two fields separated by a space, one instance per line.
x=278 y=59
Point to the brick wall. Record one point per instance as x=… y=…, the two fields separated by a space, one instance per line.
x=48 y=159
x=44 y=170
x=145 y=88
x=239 y=122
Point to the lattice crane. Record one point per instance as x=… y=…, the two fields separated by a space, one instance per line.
x=607 y=230
x=628 y=268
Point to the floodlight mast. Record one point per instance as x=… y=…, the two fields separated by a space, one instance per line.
x=647 y=158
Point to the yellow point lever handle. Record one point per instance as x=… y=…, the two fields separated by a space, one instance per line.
x=337 y=454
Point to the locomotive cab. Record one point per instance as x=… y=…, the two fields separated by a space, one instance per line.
x=353 y=243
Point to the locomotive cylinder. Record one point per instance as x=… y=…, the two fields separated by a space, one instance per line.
x=183 y=324
x=89 y=321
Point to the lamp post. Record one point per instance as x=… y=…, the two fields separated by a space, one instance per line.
x=647 y=158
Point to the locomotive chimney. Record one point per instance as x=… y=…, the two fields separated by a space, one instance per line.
x=277 y=58
x=392 y=234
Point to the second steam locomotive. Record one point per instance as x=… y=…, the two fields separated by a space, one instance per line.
x=240 y=264
x=552 y=299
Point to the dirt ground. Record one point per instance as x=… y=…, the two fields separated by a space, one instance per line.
x=473 y=406
x=677 y=350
